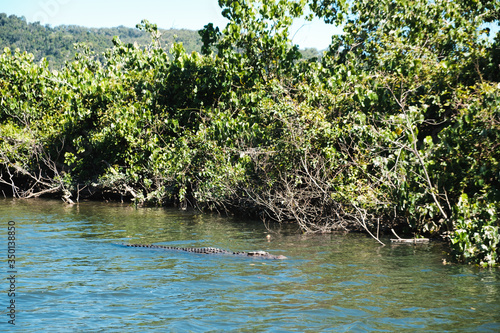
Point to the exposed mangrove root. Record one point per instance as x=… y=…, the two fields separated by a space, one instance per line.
x=408 y=240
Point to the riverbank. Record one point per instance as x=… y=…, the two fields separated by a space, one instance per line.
x=396 y=126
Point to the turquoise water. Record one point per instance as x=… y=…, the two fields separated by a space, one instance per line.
x=72 y=276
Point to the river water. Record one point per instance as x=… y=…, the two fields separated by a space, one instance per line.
x=71 y=275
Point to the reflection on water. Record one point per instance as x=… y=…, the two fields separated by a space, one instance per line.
x=73 y=274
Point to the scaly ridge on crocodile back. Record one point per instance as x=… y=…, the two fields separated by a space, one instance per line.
x=211 y=250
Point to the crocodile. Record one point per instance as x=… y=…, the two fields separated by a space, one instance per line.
x=211 y=250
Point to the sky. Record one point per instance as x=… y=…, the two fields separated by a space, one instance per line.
x=178 y=14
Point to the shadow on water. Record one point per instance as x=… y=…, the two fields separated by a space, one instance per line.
x=73 y=275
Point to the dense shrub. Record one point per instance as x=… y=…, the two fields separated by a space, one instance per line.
x=396 y=127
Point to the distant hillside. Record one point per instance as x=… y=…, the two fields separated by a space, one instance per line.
x=56 y=44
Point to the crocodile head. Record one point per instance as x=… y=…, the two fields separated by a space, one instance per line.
x=265 y=254
x=279 y=256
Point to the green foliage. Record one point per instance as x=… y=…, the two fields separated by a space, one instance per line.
x=475 y=237
x=255 y=45
x=436 y=117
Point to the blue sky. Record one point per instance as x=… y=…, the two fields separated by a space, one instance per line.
x=179 y=14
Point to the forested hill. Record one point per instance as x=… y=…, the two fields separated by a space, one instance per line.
x=57 y=43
